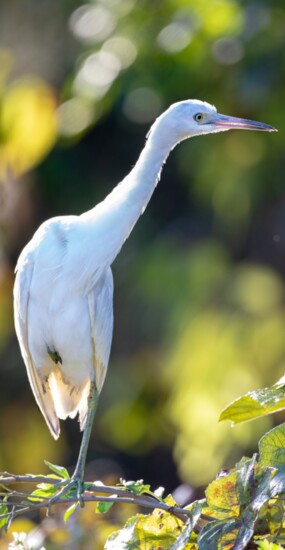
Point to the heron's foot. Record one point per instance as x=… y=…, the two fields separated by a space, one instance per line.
x=66 y=486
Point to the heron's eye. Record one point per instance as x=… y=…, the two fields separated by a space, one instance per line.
x=199 y=117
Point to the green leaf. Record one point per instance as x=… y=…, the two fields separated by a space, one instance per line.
x=103 y=507
x=3 y=510
x=228 y=534
x=218 y=535
x=182 y=541
x=245 y=479
x=246 y=529
x=255 y=404
x=60 y=470
x=126 y=536
x=272 y=447
x=262 y=490
x=10 y=518
x=43 y=492
x=277 y=482
x=70 y=511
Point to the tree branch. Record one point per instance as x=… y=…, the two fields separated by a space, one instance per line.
x=94 y=492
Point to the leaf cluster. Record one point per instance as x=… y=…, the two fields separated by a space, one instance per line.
x=244 y=507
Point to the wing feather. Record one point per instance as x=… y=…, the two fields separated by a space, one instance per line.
x=100 y=302
x=41 y=390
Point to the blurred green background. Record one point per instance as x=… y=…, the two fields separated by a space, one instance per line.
x=199 y=286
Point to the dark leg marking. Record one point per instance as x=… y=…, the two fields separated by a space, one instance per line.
x=54 y=355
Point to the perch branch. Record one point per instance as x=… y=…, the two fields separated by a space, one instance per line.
x=94 y=492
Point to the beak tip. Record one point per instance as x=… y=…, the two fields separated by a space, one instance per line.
x=271 y=129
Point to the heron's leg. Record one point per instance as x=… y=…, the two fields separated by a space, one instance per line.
x=78 y=474
x=77 y=478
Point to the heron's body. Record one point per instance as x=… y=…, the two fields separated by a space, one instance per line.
x=63 y=295
x=64 y=329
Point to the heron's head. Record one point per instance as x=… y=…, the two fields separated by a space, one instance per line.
x=193 y=117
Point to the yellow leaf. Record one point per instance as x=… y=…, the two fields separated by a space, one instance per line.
x=28 y=125
x=255 y=403
x=222 y=494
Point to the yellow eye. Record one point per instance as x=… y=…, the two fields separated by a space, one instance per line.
x=198 y=117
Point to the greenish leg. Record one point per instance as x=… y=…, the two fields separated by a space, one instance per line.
x=78 y=474
x=77 y=478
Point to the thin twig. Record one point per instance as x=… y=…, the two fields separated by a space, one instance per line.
x=182 y=514
x=105 y=494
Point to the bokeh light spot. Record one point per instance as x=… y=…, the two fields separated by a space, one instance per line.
x=222 y=17
x=92 y=23
x=174 y=38
x=97 y=74
x=257 y=18
x=256 y=289
x=228 y=51
x=121 y=7
x=123 y=48
x=74 y=116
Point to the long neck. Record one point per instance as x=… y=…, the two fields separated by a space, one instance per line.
x=137 y=187
x=123 y=206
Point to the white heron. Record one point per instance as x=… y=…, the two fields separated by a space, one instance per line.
x=63 y=293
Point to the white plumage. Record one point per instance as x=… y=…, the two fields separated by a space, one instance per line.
x=63 y=294
x=60 y=312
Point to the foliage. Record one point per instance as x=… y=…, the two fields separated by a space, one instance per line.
x=243 y=506
x=256 y=403
x=28 y=125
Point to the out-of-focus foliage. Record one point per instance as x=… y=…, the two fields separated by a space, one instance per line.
x=222 y=314
x=199 y=299
x=85 y=528
x=28 y=122
x=28 y=126
x=6 y=314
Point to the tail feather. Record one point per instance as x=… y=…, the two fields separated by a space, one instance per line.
x=68 y=399
x=46 y=404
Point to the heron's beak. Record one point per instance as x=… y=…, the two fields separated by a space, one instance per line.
x=230 y=123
